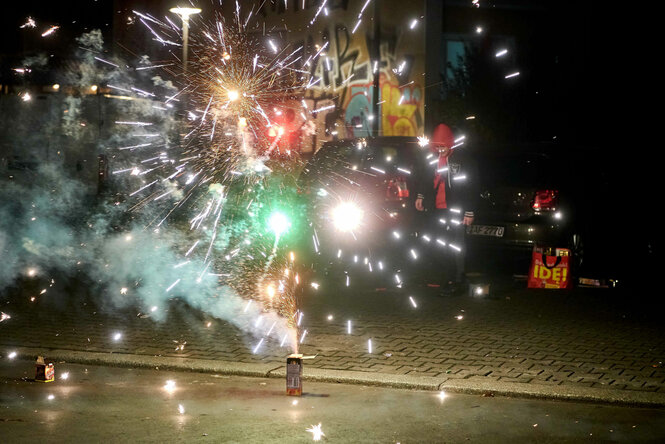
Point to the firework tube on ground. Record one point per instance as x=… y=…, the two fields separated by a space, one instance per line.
x=44 y=372
x=294 y=375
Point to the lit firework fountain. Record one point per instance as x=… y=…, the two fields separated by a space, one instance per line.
x=230 y=169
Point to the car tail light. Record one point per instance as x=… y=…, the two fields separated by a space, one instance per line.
x=397 y=189
x=545 y=200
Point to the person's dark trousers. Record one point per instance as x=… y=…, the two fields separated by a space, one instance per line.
x=437 y=263
x=447 y=226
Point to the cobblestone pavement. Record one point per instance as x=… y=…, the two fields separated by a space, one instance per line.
x=583 y=338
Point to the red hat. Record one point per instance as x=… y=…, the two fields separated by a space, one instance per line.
x=443 y=135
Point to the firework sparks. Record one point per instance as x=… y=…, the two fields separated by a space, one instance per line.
x=228 y=176
x=29 y=23
x=316 y=431
x=50 y=31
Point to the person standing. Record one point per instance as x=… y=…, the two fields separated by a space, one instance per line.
x=443 y=192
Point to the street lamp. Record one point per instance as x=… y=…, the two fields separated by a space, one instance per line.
x=184 y=14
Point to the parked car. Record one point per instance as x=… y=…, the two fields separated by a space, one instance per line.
x=527 y=196
x=360 y=191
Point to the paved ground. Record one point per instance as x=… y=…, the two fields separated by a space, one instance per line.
x=105 y=404
x=584 y=344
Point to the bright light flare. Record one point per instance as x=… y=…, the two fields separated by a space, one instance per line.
x=184 y=13
x=347 y=216
x=316 y=432
x=233 y=95
x=169 y=386
x=29 y=23
x=50 y=31
x=278 y=223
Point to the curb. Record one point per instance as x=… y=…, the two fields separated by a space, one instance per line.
x=485 y=388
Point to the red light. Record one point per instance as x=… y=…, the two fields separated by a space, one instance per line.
x=545 y=200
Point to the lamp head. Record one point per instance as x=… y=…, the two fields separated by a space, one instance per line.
x=184 y=12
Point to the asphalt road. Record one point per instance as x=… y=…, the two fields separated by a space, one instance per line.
x=97 y=404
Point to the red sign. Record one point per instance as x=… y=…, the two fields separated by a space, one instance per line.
x=550 y=271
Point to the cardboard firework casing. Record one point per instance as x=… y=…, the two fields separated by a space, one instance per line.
x=294 y=375
x=44 y=372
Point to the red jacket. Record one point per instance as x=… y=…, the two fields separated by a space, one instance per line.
x=441 y=185
x=442 y=137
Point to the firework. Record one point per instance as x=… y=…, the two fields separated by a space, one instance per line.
x=235 y=155
x=215 y=159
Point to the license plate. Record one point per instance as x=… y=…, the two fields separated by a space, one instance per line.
x=485 y=230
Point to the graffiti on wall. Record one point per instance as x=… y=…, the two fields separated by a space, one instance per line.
x=344 y=78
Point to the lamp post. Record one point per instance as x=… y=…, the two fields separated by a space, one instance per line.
x=376 y=84
x=184 y=14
